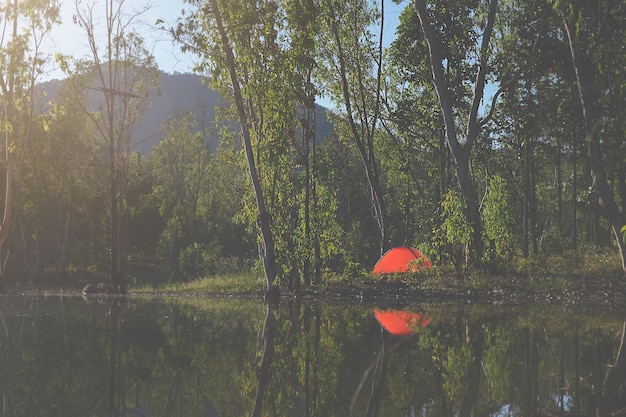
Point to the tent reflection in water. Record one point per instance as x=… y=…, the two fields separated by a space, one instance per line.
x=400 y=322
x=401 y=259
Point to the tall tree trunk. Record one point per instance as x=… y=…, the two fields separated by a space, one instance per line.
x=526 y=202
x=317 y=250
x=584 y=79
x=114 y=226
x=9 y=197
x=559 y=183
x=308 y=133
x=460 y=152
x=574 y=192
x=8 y=90
x=266 y=250
x=65 y=236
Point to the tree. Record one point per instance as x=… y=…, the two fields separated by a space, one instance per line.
x=119 y=73
x=535 y=128
x=451 y=46
x=207 y=33
x=595 y=35
x=456 y=230
x=302 y=27
x=354 y=71
x=56 y=191
x=180 y=165
x=416 y=161
x=21 y=63
x=498 y=217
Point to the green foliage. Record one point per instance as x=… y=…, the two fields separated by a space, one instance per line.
x=197 y=194
x=456 y=228
x=456 y=364
x=498 y=218
x=497 y=362
x=198 y=260
x=454 y=234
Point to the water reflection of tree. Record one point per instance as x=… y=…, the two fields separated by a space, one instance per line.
x=378 y=372
x=289 y=375
x=303 y=359
x=314 y=355
x=586 y=384
x=474 y=338
x=614 y=395
x=116 y=386
x=459 y=380
x=268 y=334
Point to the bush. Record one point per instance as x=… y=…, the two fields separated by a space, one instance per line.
x=199 y=260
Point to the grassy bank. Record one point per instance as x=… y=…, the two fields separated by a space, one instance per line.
x=571 y=276
x=247 y=283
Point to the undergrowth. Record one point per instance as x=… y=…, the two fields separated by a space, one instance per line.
x=580 y=271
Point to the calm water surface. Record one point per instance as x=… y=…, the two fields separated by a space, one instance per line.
x=65 y=356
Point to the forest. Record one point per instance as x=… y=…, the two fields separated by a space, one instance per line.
x=483 y=131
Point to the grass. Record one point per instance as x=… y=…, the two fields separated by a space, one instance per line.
x=583 y=272
x=229 y=284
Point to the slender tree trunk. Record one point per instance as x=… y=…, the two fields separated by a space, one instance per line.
x=8 y=87
x=64 y=241
x=534 y=215
x=317 y=269
x=574 y=191
x=306 y=270
x=308 y=128
x=528 y=132
x=114 y=160
x=264 y=220
x=114 y=264
x=363 y=134
x=9 y=197
x=559 y=183
x=526 y=204
x=584 y=80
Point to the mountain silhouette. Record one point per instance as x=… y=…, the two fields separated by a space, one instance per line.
x=176 y=94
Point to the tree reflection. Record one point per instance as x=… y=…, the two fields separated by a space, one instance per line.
x=116 y=387
x=378 y=378
x=188 y=357
x=614 y=395
x=269 y=330
x=310 y=359
x=474 y=339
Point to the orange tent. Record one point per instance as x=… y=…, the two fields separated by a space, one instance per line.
x=400 y=322
x=401 y=259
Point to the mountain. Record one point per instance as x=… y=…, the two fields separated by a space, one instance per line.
x=176 y=94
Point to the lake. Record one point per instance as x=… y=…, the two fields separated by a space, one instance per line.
x=205 y=357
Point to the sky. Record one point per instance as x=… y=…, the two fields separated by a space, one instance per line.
x=68 y=38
